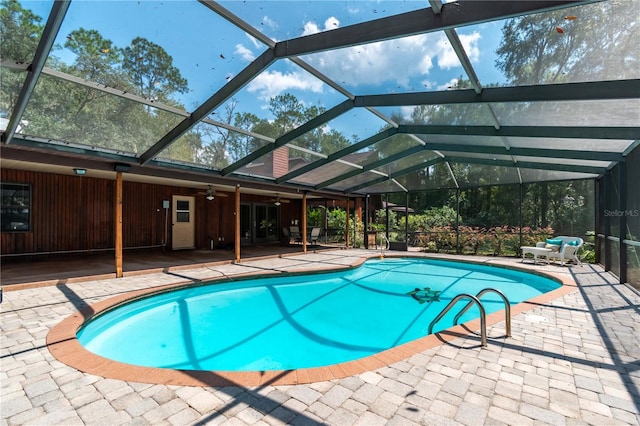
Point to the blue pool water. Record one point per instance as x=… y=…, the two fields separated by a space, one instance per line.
x=299 y=321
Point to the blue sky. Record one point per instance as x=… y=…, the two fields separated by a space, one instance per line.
x=209 y=51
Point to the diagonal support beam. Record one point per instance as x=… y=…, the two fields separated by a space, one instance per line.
x=338 y=155
x=394 y=175
x=395 y=157
x=416 y=22
x=529 y=152
x=584 y=91
x=568 y=132
x=51 y=28
x=237 y=82
x=530 y=165
x=288 y=137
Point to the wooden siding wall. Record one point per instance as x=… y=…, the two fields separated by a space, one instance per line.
x=67 y=213
x=76 y=213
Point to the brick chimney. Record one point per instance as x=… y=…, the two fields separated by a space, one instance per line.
x=280 y=161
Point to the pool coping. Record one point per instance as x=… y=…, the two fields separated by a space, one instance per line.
x=65 y=347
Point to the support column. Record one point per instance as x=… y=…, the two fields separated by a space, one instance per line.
x=304 y=222
x=458 y=220
x=386 y=197
x=366 y=222
x=598 y=214
x=622 y=186
x=607 y=221
x=406 y=219
x=118 y=225
x=346 y=232
x=237 y=224
x=520 y=212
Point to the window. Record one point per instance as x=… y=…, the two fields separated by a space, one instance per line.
x=182 y=211
x=16 y=207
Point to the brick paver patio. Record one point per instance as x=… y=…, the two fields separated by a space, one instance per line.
x=574 y=360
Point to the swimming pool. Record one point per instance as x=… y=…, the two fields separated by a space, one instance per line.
x=299 y=321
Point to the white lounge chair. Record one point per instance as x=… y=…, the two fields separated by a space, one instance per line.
x=567 y=251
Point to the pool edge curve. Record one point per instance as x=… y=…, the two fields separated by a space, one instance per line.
x=65 y=347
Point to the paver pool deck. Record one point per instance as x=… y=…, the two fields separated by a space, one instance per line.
x=574 y=359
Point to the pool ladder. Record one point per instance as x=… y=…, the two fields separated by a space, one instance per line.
x=386 y=246
x=483 y=315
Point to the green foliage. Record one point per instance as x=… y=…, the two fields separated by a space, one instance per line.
x=495 y=241
x=531 y=51
x=20 y=31
x=337 y=220
x=151 y=70
x=65 y=111
x=315 y=217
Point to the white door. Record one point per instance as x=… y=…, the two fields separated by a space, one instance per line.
x=183 y=220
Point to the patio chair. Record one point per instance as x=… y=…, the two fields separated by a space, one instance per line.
x=567 y=253
x=287 y=236
x=567 y=249
x=315 y=234
x=295 y=234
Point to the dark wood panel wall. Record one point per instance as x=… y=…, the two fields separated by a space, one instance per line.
x=76 y=213
x=67 y=213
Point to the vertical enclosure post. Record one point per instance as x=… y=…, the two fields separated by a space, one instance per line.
x=406 y=219
x=607 y=221
x=118 y=225
x=304 y=222
x=458 y=220
x=346 y=231
x=366 y=222
x=622 y=186
x=521 y=187
x=237 y=224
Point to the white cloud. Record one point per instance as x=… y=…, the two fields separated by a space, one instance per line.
x=273 y=83
x=311 y=27
x=269 y=22
x=406 y=112
x=470 y=43
x=449 y=84
x=245 y=53
x=397 y=62
x=447 y=57
x=331 y=23
x=256 y=43
x=405 y=63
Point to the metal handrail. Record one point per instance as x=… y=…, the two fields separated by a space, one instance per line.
x=507 y=308
x=483 y=315
x=386 y=247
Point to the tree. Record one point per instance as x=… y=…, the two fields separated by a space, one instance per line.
x=151 y=71
x=288 y=112
x=20 y=32
x=559 y=46
x=96 y=57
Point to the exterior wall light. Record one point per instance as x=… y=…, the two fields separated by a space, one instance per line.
x=80 y=172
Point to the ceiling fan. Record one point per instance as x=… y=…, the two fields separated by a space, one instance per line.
x=210 y=193
x=277 y=201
